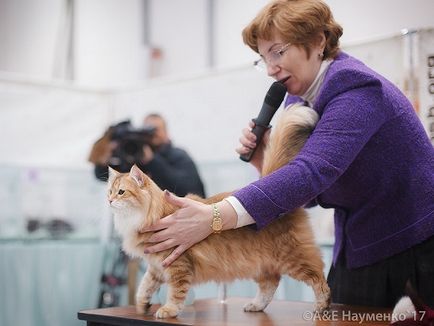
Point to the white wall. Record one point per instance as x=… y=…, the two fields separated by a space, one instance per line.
x=28 y=35
x=109 y=33
x=54 y=125
x=372 y=18
x=109 y=42
x=230 y=19
x=108 y=39
x=180 y=30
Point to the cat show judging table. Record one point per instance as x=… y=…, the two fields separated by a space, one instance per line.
x=211 y=312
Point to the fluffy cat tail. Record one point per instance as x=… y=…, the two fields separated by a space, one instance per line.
x=293 y=128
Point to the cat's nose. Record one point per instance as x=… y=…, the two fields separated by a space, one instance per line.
x=110 y=201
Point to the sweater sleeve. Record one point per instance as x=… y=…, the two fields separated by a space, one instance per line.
x=347 y=123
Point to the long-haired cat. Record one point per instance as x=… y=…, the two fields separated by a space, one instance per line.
x=285 y=246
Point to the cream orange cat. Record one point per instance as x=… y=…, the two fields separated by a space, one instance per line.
x=285 y=247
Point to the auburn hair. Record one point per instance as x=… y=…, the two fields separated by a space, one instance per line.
x=299 y=22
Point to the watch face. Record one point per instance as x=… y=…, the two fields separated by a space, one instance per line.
x=217 y=225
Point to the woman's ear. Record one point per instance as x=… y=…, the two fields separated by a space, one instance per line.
x=322 y=41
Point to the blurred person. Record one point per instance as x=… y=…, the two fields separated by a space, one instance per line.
x=170 y=167
x=369 y=158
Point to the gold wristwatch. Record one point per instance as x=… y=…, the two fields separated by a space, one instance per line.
x=217 y=223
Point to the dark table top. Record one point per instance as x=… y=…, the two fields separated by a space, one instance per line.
x=210 y=312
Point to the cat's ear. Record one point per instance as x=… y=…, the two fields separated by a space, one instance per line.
x=112 y=174
x=138 y=176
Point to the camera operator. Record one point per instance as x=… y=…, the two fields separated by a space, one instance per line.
x=150 y=148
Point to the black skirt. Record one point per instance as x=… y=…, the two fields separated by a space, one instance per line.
x=382 y=284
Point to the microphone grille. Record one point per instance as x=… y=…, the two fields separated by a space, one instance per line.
x=275 y=94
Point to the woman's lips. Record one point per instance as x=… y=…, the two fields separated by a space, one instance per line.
x=283 y=80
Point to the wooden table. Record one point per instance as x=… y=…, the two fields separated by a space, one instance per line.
x=210 y=312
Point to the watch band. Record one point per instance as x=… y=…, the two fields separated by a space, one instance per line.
x=217 y=223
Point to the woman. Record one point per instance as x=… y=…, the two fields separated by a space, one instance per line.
x=369 y=158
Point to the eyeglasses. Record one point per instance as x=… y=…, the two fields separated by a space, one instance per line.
x=272 y=58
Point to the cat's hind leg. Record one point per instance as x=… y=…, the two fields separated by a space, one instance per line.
x=179 y=282
x=307 y=267
x=268 y=284
x=150 y=283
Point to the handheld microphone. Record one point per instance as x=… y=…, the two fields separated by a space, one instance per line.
x=272 y=101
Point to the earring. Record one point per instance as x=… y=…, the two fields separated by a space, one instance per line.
x=321 y=55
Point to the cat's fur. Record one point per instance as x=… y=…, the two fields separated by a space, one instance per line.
x=411 y=310
x=286 y=246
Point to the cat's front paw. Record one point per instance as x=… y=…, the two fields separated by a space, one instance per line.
x=142 y=308
x=167 y=311
x=254 y=306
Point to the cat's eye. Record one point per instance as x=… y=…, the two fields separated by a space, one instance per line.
x=121 y=192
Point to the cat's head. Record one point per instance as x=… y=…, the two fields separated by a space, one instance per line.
x=133 y=194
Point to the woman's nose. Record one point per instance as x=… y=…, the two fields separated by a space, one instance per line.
x=272 y=70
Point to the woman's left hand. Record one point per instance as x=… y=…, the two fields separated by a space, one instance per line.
x=182 y=229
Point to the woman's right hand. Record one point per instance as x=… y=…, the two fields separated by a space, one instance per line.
x=248 y=143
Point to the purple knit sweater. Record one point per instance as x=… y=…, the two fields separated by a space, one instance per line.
x=369 y=158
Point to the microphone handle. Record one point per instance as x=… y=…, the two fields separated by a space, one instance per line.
x=259 y=131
